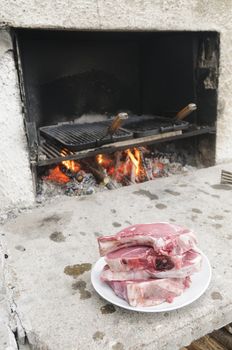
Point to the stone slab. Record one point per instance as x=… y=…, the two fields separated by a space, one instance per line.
x=61 y=310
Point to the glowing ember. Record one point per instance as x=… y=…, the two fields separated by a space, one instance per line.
x=56 y=175
x=104 y=160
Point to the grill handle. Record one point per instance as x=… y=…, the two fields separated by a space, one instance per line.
x=183 y=113
x=115 y=125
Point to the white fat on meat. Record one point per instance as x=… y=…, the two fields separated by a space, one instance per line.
x=164 y=238
x=150 y=292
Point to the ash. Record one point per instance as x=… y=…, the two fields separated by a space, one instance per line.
x=110 y=171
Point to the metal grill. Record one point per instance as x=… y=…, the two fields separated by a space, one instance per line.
x=152 y=125
x=78 y=137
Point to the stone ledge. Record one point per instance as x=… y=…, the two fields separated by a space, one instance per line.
x=62 y=311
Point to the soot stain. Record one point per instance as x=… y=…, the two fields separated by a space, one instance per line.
x=20 y=248
x=57 y=237
x=172 y=220
x=82 y=233
x=216 y=217
x=148 y=194
x=77 y=270
x=52 y=218
x=81 y=287
x=98 y=335
x=116 y=224
x=215 y=195
x=113 y=211
x=107 y=309
x=97 y=234
x=216 y=296
x=196 y=210
x=202 y=191
x=227 y=211
x=217 y=225
x=229 y=237
x=183 y=185
x=161 y=206
x=128 y=222
x=118 y=346
x=173 y=193
x=222 y=187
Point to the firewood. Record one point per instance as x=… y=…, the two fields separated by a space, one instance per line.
x=224 y=337
x=206 y=343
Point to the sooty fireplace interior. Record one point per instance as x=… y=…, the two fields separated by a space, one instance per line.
x=74 y=83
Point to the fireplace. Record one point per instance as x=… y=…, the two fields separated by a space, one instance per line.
x=73 y=81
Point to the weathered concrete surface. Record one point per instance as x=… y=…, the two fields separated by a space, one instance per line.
x=55 y=301
x=16 y=180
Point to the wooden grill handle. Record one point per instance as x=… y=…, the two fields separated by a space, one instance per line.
x=183 y=113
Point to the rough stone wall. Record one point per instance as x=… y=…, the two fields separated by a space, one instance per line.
x=106 y=15
x=15 y=175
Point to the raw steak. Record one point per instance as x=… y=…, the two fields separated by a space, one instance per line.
x=142 y=257
x=150 y=292
x=164 y=238
x=190 y=263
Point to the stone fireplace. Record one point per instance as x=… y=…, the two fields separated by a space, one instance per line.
x=146 y=43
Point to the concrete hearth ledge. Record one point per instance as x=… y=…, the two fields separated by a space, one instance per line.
x=56 y=303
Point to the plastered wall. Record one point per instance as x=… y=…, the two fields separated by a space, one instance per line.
x=15 y=175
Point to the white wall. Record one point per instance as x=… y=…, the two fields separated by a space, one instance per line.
x=15 y=175
x=105 y=15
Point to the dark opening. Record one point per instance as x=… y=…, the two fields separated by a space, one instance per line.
x=68 y=74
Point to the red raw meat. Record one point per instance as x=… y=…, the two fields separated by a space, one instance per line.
x=141 y=257
x=189 y=263
x=150 y=292
x=164 y=238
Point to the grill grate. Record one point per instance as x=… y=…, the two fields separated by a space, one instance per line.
x=50 y=153
x=152 y=125
x=78 y=137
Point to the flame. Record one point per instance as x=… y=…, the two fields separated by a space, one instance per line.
x=99 y=158
x=104 y=160
x=70 y=164
x=56 y=175
x=135 y=158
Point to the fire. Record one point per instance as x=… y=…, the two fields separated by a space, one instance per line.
x=104 y=160
x=135 y=158
x=99 y=158
x=123 y=167
x=56 y=175
x=70 y=164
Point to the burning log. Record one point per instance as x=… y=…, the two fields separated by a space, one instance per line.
x=100 y=175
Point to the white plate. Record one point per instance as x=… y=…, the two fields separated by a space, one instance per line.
x=200 y=282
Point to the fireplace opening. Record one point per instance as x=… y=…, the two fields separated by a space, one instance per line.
x=76 y=86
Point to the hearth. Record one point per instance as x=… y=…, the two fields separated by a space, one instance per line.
x=74 y=84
